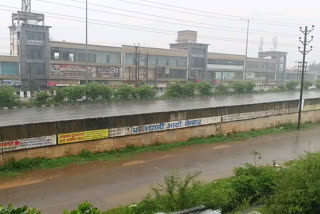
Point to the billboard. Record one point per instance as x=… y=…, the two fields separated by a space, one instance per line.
x=80 y=71
x=27 y=143
x=83 y=136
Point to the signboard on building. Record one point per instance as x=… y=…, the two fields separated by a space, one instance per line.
x=15 y=83
x=27 y=143
x=107 y=71
x=83 y=136
x=52 y=83
x=35 y=42
x=80 y=71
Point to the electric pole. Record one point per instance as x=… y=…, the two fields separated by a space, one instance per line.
x=305 y=42
x=246 y=56
x=136 y=64
x=147 y=75
x=87 y=42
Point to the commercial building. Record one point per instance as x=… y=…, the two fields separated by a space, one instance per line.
x=37 y=61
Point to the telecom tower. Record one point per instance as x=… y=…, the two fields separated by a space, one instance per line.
x=29 y=39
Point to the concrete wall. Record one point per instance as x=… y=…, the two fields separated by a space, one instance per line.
x=286 y=113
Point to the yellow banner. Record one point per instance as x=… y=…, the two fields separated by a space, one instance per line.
x=83 y=136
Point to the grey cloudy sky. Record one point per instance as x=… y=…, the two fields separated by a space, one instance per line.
x=150 y=24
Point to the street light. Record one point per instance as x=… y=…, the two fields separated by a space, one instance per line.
x=246 y=55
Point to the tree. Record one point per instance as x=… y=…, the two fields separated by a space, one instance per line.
x=61 y=95
x=307 y=85
x=7 y=96
x=189 y=89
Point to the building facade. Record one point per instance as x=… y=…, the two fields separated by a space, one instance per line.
x=37 y=61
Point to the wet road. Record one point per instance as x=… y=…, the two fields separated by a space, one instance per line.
x=63 y=113
x=111 y=184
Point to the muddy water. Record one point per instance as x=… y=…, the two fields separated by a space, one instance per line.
x=116 y=183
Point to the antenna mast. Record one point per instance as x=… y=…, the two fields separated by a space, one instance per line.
x=26 y=6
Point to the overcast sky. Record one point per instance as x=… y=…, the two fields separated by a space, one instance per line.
x=150 y=24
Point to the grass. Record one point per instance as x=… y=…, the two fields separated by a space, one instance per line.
x=15 y=168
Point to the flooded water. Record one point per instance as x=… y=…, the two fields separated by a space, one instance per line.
x=108 y=185
x=63 y=113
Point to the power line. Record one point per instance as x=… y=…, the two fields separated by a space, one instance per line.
x=191 y=11
x=147 y=29
x=216 y=27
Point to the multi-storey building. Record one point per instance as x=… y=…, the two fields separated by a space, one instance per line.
x=36 y=60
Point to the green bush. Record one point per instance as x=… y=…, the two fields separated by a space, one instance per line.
x=189 y=89
x=146 y=92
x=221 y=89
x=21 y=210
x=124 y=92
x=7 y=96
x=85 y=208
x=61 y=95
x=42 y=98
x=243 y=87
x=318 y=84
x=204 y=88
x=94 y=91
x=249 y=87
x=291 y=85
x=175 y=90
x=297 y=189
x=74 y=93
x=307 y=84
x=176 y=194
x=239 y=87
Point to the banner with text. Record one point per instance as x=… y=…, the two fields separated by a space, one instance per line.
x=27 y=143
x=83 y=136
x=175 y=125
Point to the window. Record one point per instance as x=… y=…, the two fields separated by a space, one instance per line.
x=34 y=52
x=71 y=57
x=108 y=58
x=56 y=56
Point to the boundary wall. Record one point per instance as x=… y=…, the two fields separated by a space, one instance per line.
x=65 y=138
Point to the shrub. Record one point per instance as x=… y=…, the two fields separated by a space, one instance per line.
x=249 y=87
x=307 y=85
x=21 y=210
x=297 y=189
x=42 y=98
x=318 y=84
x=146 y=92
x=175 y=90
x=106 y=92
x=85 y=208
x=74 y=93
x=176 y=194
x=291 y=85
x=204 y=88
x=243 y=87
x=7 y=96
x=239 y=87
x=189 y=89
x=94 y=91
x=125 y=92
x=221 y=89
x=61 y=95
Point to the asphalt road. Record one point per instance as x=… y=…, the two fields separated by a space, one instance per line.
x=62 y=113
x=108 y=185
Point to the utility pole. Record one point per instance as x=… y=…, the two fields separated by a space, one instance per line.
x=87 y=42
x=136 y=64
x=305 y=42
x=266 y=72
x=147 y=74
x=246 y=56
